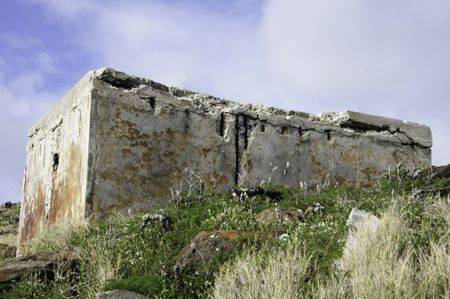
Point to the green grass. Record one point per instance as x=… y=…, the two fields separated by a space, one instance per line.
x=117 y=253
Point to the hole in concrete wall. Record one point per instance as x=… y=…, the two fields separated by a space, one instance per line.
x=245 y=131
x=222 y=124
x=263 y=128
x=300 y=131
x=55 y=161
x=284 y=130
x=186 y=120
x=328 y=135
x=151 y=101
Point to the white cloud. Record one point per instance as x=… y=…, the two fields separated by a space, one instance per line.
x=381 y=57
x=22 y=104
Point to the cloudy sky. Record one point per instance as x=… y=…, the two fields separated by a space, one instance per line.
x=383 y=57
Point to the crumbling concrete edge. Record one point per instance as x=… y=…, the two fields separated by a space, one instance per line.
x=347 y=123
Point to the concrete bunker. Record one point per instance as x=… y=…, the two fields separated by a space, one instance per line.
x=116 y=141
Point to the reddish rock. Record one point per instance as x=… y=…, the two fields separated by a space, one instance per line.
x=204 y=246
x=44 y=264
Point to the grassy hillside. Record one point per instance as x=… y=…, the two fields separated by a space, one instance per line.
x=9 y=222
x=407 y=256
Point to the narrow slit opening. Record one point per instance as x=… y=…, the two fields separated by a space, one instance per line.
x=55 y=161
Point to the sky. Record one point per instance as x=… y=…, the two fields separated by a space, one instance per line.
x=389 y=58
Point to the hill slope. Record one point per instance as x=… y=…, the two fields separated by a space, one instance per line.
x=230 y=245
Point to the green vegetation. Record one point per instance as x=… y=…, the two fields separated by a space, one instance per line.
x=9 y=222
x=406 y=258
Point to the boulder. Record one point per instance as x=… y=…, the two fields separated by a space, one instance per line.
x=120 y=294
x=317 y=208
x=245 y=193
x=359 y=217
x=44 y=264
x=280 y=215
x=160 y=217
x=204 y=246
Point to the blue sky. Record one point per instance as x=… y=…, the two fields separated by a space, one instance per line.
x=382 y=57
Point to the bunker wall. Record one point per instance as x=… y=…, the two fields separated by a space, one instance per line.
x=56 y=167
x=149 y=141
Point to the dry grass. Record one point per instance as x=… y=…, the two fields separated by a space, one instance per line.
x=278 y=275
x=54 y=239
x=98 y=261
x=379 y=262
x=100 y=265
x=9 y=239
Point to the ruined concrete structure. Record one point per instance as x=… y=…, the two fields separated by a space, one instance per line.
x=116 y=141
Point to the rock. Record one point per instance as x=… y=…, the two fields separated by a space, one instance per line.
x=7 y=251
x=44 y=264
x=120 y=294
x=358 y=217
x=244 y=193
x=441 y=172
x=280 y=215
x=8 y=229
x=317 y=208
x=161 y=217
x=204 y=246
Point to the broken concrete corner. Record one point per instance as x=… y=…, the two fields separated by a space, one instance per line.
x=117 y=141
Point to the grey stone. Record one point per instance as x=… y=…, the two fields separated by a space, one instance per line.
x=280 y=215
x=161 y=217
x=120 y=294
x=357 y=218
x=119 y=142
x=317 y=208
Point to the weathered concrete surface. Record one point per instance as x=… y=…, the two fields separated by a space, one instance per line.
x=125 y=142
x=56 y=170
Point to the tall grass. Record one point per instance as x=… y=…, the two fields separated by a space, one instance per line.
x=258 y=275
x=379 y=260
x=99 y=261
